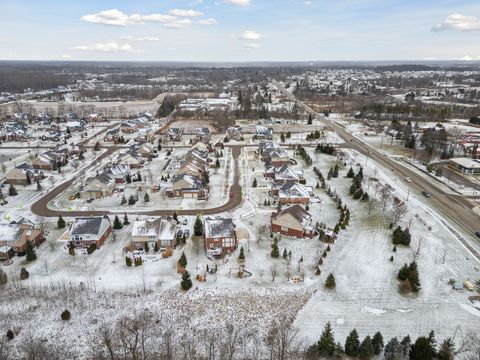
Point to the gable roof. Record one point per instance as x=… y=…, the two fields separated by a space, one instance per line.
x=90 y=225
x=297 y=212
x=215 y=228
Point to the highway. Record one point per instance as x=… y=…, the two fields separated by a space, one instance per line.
x=456 y=209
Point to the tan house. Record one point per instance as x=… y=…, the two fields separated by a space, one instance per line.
x=16 y=235
x=97 y=187
x=23 y=174
x=159 y=232
x=294 y=221
x=187 y=186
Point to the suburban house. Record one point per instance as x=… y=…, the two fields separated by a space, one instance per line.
x=282 y=174
x=294 y=221
x=467 y=165
x=95 y=118
x=220 y=236
x=146 y=150
x=49 y=160
x=203 y=134
x=112 y=135
x=263 y=132
x=174 y=134
x=275 y=156
x=192 y=168
x=187 y=186
x=234 y=133
x=197 y=156
x=97 y=187
x=118 y=172
x=159 y=232
x=132 y=160
x=16 y=234
x=291 y=192
x=127 y=127
x=90 y=230
x=23 y=174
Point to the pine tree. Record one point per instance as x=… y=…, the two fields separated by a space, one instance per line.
x=175 y=216
x=65 y=316
x=128 y=178
x=146 y=247
x=131 y=200
x=330 y=282
x=186 y=282
x=377 y=343
x=447 y=350
x=125 y=219
x=12 y=191
x=97 y=146
x=352 y=344
x=123 y=201
x=146 y=198
x=117 y=224
x=71 y=248
x=309 y=122
x=198 y=226
x=326 y=344
x=10 y=335
x=60 y=222
x=366 y=349
x=128 y=261
x=31 y=254
x=24 y=274
x=285 y=253
x=182 y=262
x=217 y=163
x=421 y=349
x=335 y=171
x=241 y=257
x=350 y=173
x=275 y=252
x=254 y=184
x=330 y=174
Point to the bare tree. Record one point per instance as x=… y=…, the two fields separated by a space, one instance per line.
x=282 y=340
x=273 y=271
x=399 y=210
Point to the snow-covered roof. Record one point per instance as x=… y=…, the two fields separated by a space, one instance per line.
x=93 y=226
x=216 y=228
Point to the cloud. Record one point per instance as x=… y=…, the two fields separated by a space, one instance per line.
x=178 y=24
x=110 y=46
x=458 y=22
x=251 y=45
x=238 y=2
x=185 y=13
x=115 y=17
x=66 y=56
x=141 y=38
x=251 y=35
x=470 y=58
x=209 y=21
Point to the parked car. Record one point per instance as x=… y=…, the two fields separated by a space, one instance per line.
x=179 y=234
x=407 y=179
x=186 y=233
x=426 y=193
x=477 y=233
x=184 y=222
x=90 y=200
x=4 y=202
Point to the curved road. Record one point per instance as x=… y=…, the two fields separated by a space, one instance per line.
x=40 y=207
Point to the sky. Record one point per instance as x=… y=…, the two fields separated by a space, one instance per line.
x=239 y=30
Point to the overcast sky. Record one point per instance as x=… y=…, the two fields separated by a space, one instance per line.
x=239 y=30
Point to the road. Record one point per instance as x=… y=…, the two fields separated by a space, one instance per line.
x=40 y=207
x=456 y=208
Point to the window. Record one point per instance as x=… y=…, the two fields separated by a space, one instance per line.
x=284 y=228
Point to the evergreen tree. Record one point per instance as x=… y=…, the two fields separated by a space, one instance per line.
x=65 y=316
x=24 y=274
x=125 y=219
x=282 y=137
x=10 y=335
x=71 y=248
x=393 y=350
x=186 y=282
x=275 y=252
x=128 y=261
x=175 y=216
x=139 y=177
x=350 y=173
x=60 y=222
x=128 y=178
x=309 y=122
x=330 y=174
x=146 y=198
x=421 y=349
x=241 y=257
x=366 y=349
x=182 y=262
x=12 y=191
x=198 y=226
x=335 y=171
x=447 y=350
x=217 y=163
x=330 y=282
x=326 y=344
x=352 y=344
x=285 y=253
x=146 y=247
x=254 y=183
x=377 y=343
x=123 y=201
x=31 y=254
x=131 y=200
x=117 y=224
x=3 y=278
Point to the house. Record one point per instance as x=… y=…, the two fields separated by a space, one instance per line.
x=160 y=233
x=127 y=127
x=291 y=192
x=49 y=160
x=146 y=150
x=199 y=156
x=294 y=221
x=95 y=118
x=282 y=174
x=220 y=236
x=187 y=186
x=235 y=133
x=23 y=174
x=76 y=125
x=144 y=135
x=467 y=165
x=118 y=172
x=90 y=230
x=263 y=132
x=174 y=134
x=132 y=160
x=16 y=234
x=97 y=187
x=112 y=135
x=275 y=157
x=192 y=168
x=203 y=134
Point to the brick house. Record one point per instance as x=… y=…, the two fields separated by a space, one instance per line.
x=294 y=221
x=15 y=235
x=187 y=186
x=220 y=236
x=90 y=230
x=291 y=192
x=282 y=174
x=97 y=187
x=160 y=232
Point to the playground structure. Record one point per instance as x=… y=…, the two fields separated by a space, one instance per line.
x=240 y=271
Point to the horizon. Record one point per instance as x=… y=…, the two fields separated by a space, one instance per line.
x=241 y=31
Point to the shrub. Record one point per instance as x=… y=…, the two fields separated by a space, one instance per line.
x=128 y=261
x=10 y=335
x=91 y=248
x=65 y=315
x=24 y=274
